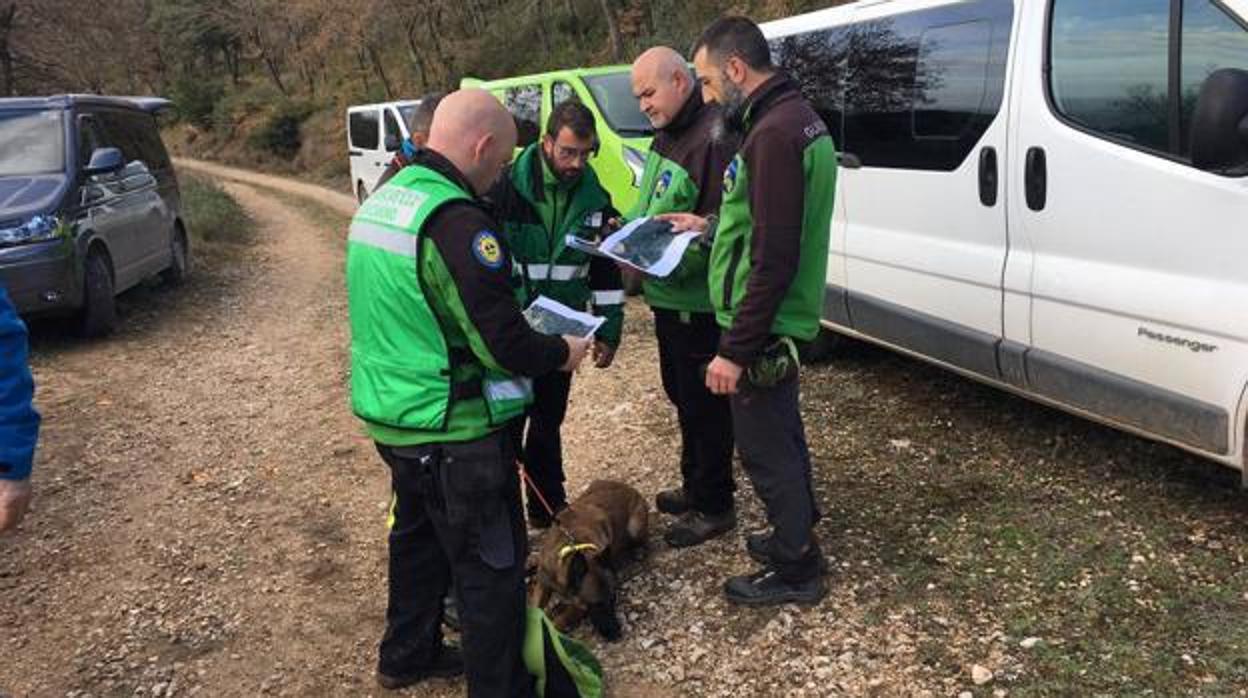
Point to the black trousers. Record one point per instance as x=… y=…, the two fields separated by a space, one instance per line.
x=457 y=508
x=772 y=443
x=542 y=443
x=686 y=346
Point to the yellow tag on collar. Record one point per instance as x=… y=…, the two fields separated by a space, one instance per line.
x=567 y=550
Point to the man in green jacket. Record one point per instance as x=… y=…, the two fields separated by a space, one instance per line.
x=440 y=360
x=767 y=280
x=683 y=173
x=550 y=193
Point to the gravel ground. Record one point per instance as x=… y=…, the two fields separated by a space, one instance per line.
x=209 y=519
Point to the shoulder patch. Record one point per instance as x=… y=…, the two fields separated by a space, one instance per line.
x=730 y=175
x=665 y=181
x=487 y=249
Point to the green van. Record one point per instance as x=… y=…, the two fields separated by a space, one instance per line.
x=623 y=131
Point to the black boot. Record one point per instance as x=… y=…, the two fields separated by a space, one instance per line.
x=695 y=528
x=674 y=501
x=758 y=545
x=766 y=588
x=448 y=664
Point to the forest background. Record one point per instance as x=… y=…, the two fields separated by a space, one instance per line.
x=265 y=83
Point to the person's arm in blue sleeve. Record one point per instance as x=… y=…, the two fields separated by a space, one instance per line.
x=19 y=422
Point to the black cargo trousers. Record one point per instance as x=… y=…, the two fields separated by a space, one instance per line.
x=772 y=442
x=457 y=516
x=687 y=343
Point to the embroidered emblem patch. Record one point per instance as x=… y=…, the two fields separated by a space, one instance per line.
x=487 y=250
x=730 y=176
x=665 y=181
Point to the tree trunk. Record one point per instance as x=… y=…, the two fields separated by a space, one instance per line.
x=542 y=30
x=381 y=71
x=613 y=30
x=7 y=15
x=359 y=57
x=415 y=53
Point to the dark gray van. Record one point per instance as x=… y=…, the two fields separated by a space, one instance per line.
x=89 y=204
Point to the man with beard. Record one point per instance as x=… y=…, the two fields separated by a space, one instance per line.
x=683 y=174
x=767 y=275
x=549 y=193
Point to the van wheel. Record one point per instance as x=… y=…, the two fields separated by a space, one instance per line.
x=360 y=192
x=99 y=308
x=180 y=261
x=826 y=345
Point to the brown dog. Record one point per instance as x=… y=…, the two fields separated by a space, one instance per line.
x=580 y=555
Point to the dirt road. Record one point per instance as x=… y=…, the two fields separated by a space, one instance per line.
x=210 y=521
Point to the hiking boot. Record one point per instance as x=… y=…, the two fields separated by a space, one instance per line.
x=766 y=588
x=450 y=613
x=673 y=502
x=758 y=545
x=447 y=665
x=695 y=527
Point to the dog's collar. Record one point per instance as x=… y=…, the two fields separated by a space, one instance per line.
x=575 y=548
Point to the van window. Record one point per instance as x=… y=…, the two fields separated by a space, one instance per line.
x=816 y=61
x=525 y=104
x=923 y=87
x=31 y=143
x=613 y=92
x=1110 y=68
x=134 y=133
x=362 y=127
x=392 y=129
x=950 y=78
x=1211 y=40
x=561 y=92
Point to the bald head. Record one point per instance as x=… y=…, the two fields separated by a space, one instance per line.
x=472 y=130
x=662 y=84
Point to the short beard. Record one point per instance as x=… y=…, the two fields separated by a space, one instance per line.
x=731 y=121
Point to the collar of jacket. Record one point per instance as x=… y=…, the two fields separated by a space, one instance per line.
x=688 y=114
x=438 y=163
x=526 y=176
x=773 y=90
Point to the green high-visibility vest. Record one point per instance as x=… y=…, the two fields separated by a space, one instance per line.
x=401 y=365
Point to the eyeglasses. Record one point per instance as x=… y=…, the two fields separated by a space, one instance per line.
x=563 y=152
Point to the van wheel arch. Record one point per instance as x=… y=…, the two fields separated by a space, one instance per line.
x=98 y=314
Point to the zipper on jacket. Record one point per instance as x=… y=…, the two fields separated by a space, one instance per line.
x=738 y=248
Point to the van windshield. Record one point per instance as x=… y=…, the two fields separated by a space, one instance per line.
x=614 y=94
x=31 y=143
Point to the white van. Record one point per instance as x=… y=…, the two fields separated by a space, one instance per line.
x=1047 y=195
x=374 y=133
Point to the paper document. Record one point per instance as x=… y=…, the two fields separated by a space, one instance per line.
x=649 y=245
x=586 y=246
x=552 y=317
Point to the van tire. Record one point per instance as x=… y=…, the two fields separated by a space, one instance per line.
x=98 y=316
x=360 y=192
x=825 y=346
x=180 y=259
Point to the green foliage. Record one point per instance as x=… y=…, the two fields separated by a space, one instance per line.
x=280 y=133
x=195 y=99
x=212 y=215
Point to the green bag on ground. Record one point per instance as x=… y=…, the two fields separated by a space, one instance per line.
x=563 y=667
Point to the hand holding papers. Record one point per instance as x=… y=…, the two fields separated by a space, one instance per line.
x=646 y=244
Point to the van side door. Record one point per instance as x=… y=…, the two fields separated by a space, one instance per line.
x=364 y=139
x=923 y=156
x=110 y=211
x=1134 y=259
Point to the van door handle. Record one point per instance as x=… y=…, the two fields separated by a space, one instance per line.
x=849 y=161
x=988 y=176
x=1036 y=182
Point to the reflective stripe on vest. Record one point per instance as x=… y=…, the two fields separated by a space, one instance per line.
x=509 y=389
x=391 y=241
x=608 y=297
x=558 y=272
